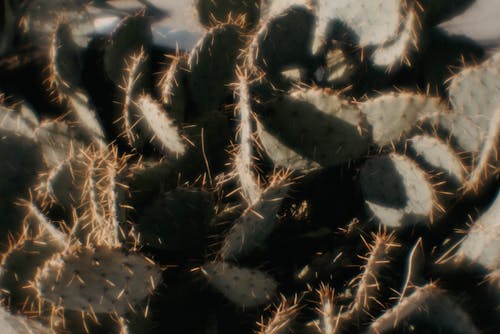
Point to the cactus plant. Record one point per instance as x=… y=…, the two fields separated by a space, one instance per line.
x=304 y=167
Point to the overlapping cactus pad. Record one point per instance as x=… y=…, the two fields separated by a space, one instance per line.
x=316 y=167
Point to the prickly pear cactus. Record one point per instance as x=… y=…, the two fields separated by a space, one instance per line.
x=247 y=166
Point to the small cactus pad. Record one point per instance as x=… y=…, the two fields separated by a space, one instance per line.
x=393 y=114
x=367 y=282
x=211 y=66
x=85 y=117
x=173 y=94
x=427 y=310
x=282 y=155
x=320 y=126
x=373 y=21
x=474 y=95
x=21 y=161
x=488 y=162
x=101 y=280
x=255 y=224
x=397 y=51
x=244 y=159
x=482 y=243
x=59 y=142
x=155 y=123
x=242 y=286
x=132 y=35
x=274 y=47
x=438 y=156
x=39 y=243
x=396 y=191
x=66 y=62
x=87 y=186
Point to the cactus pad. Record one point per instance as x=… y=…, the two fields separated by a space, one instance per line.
x=419 y=311
x=396 y=191
x=438 y=156
x=154 y=123
x=244 y=287
x=255 y=224
x=321 y=127
x=97 y=280
x=481 y=245
x=374 y=22
x=391 y=115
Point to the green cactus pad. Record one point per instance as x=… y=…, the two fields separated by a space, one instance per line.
x=84 y=117
x=282 y=155
x=66 y=62
x=373 y=21
x=65 y=81
x=367 y=282
x=427 y=310
x=19 y=264
x=244 y=157
x=21 y=162
x=463 y=130
x=101 y=280
x=172 y=86
x=488 y=162
x=319 y=126
x=131 y=36
x=474 y=95
x=481 y=245
x=242 y=286
x=255 y=224
x=154 y=125
x=396 y=191
x=58 y=185
x=133 y=86
x=87 y=186
x=392 y=115
x=438 y=156
x=211 y=66
x=274 y=48
x=397 y=51
x=178 y=221
x=212 y=13
x=59 y=142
